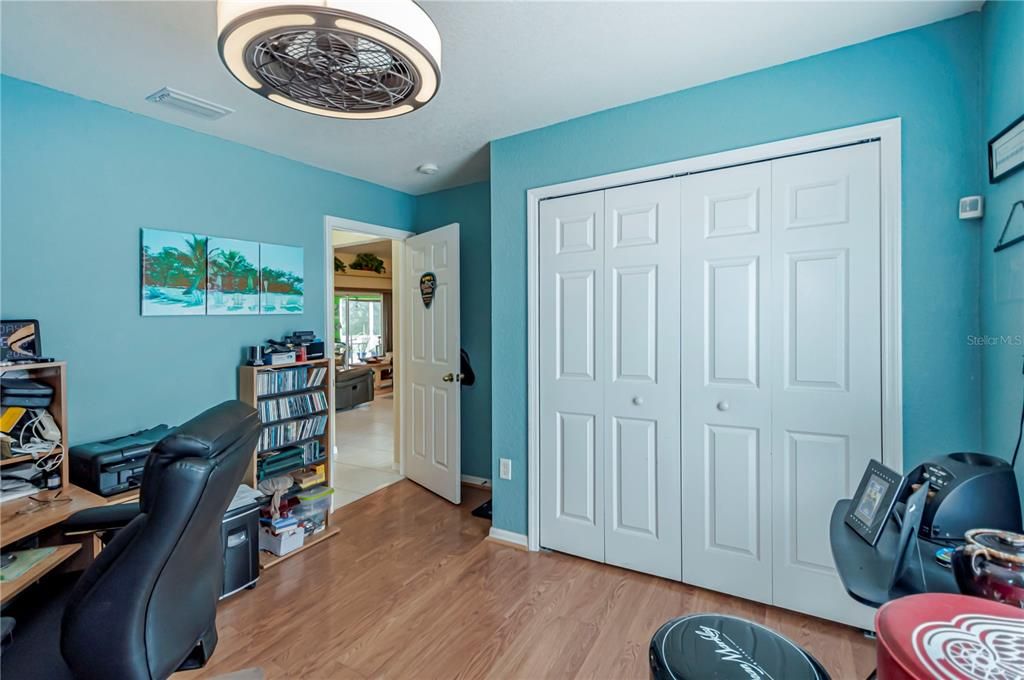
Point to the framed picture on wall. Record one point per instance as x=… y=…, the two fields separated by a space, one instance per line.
x=281 y=279
x=1006 y=152
x=233 y=276
x=173 y=273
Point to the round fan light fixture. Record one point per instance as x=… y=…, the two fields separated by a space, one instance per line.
x=357 y=59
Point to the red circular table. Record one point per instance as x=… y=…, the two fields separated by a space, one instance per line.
x=949 y=637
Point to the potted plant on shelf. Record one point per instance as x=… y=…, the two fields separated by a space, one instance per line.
x=367 y=262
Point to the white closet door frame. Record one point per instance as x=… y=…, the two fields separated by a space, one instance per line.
x=887 y=132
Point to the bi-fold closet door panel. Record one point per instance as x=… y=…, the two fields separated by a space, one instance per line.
x=642 y=511
x=781 y=371
x=741 y=307
x=727 y=401
x=826 y=380
x=609 y=376
x=572 y=380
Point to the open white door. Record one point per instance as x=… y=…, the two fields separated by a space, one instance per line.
x=431 y=361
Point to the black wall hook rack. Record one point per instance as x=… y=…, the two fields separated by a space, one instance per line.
x=1001 y=245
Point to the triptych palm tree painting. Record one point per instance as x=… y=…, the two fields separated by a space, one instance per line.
x=185 y=273
x=280 y=279
x=233 y=276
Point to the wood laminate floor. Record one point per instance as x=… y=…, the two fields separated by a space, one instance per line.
x=411 y=589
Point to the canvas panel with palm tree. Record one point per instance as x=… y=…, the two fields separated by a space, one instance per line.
x=173 y=273
x=281 y=279
x=233 y=279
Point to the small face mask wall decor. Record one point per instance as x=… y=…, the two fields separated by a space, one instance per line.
x=428 y=282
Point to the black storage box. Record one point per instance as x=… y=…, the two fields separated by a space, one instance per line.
x=115 y=465
x=240 y=535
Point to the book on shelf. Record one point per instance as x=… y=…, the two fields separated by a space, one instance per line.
x=273 y=463
x=291 y=432
x=290 y=407
x=289 y=380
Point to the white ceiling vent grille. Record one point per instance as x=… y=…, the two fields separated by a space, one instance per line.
x=176 y=99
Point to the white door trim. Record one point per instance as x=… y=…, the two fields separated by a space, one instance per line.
x=887 y=132
x=332 y=223
x=345 y=224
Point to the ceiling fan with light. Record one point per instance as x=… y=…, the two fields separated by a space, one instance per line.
x=355 y=59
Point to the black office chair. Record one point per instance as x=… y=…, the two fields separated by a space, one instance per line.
x=147 y=606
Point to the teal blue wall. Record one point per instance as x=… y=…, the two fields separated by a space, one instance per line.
x=928 y=76
x=470 y=206
x=79 y=180
x=1002 y=309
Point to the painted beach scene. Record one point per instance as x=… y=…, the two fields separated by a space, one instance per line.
x=281 y=279
x=233 y=276
x=173 y=273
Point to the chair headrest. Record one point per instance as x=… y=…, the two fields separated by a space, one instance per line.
x=209 y=433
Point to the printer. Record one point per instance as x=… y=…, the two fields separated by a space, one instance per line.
x=967 y=491
x=115 y=465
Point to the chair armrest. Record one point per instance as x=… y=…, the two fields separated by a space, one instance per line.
x=103 y=518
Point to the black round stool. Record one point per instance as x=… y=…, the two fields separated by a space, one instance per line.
x=705 y=646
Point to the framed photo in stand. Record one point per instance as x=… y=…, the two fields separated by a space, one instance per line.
x=877 y=493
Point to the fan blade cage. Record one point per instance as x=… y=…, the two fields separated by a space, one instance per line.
x=332 y=69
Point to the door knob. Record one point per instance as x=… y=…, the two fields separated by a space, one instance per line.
x=448 y=377
x=637 y=401
x=722 y=406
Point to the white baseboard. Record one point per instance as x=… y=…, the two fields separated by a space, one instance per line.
x=482 y=482
x=510 y=537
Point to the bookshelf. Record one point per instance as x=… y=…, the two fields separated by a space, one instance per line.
x=53 y=374
x=295 y=402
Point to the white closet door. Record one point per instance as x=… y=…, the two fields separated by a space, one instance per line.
x=726 y=409
x=572 y=382
x=641 y=425
x=827 y=376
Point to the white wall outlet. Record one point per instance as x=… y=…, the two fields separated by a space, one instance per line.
x=505 y=468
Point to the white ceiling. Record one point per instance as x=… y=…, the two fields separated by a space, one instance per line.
x=507 y=67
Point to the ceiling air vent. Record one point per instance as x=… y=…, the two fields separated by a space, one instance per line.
x=176 y=99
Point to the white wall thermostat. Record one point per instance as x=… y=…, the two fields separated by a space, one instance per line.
x=972 y=207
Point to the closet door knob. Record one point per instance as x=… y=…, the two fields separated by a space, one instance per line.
x=637 y=401
x=722 y=406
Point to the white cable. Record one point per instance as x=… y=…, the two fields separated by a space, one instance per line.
x=37 y=445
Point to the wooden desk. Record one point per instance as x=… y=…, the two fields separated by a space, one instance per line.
x=15 y=526
x=9 y=589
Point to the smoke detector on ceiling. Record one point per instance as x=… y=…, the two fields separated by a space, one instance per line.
x=176 y=99
x=357 y=59
x=427 y=169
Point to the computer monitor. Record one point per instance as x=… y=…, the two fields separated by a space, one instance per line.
x=20 y=341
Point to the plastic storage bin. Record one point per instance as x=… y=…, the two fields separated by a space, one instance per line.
x=314 y=504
